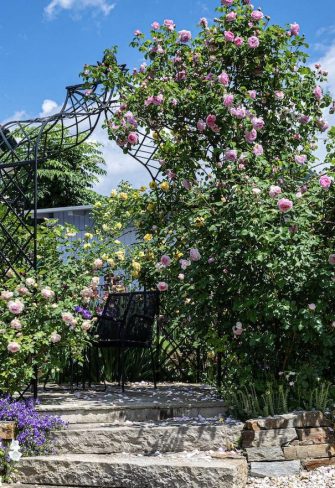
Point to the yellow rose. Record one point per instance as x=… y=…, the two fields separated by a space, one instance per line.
x=123 y=196
x=118 y=225
x=135 y=274
x=120 y=255
x=87 y=245
x=151 y=207
x=136 y=266
x=147 y=237
x=141 y=254
x=199 y=222
x=118 y=243
x=153 y=185
x=113 y=193
x=111 y=262
x=178 y=255
x=143 y=189
x=165 y=186
x=105 y=227
x=88 y=235
x=104 y=257
x=98 y=205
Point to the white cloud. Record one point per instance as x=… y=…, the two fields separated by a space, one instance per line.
x=76 y=6
x=18 y=115
x=49 y=107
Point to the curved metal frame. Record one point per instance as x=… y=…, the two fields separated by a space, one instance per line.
x=24 y=145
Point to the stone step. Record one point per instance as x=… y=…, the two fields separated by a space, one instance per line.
x=147 y=437
x=138 y=412
x=184 y=470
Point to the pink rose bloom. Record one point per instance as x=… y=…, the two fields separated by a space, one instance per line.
x=187 y=184
x=211 y=120
x=181 y=75
x=312 y=306
x=274 y=191
x=238 y=41
x=169 y=24
x=16 y=324
x=230 y=155
x=211 y=260
x=322 y=124
x=237 y=329
x=13 y=347
x=300 y=158
x=284 y=205
x=228 y=100
x=253 y=42
x=174 y=102
x=16 y=307
x=158 y=99
x=223 y=78
x=257 y=15
x=238 y=112
x=227 y=2
x=331 y=259
x=6 y=295
x=279 y=95
x=98 y=263
x=318 y=93
x=250 y=136
x=54 y=338
x=86 y=325
x=155 y=25
x=149 y=101
x=229 y=36
x=257 y=123
x=252 y=94
x=132 y=138
x=162 y=286
x=165 y=260
x=256 y=191
x=137 y=32
x=294 y=29
x=204 y=22
x=23 y=290
x=184 y=263
x=231 y=17
x=47 y=293
x=194 y=254
x=67 y=317
x=304 y=119
x=325 y=181
x=258 y=150
x=201 y=125
x=184 y=36
x=181 y=276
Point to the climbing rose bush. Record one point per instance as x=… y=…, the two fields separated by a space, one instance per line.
x=243 y=211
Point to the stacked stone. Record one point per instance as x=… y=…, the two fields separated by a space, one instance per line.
x=285 y=444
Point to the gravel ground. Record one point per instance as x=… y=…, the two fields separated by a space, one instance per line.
x=320 y=478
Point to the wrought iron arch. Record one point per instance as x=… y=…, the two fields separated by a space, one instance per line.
x=24 y=146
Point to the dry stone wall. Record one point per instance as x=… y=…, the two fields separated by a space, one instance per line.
x=285 y=444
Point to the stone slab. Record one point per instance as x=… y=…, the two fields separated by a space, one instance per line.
x=146 y=438
x=274 y=469
x=318 y=463
x=127 y=471
x=298 y=420
x=268 y=438
x=265 y=454
x=316 y=435
x=310 y=451
x=7 y=430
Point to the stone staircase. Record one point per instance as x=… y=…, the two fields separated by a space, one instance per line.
x=157 y=444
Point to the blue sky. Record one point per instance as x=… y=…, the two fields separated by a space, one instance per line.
x=44 y=43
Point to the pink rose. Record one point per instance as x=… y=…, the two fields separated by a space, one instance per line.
x=169 y=24
x=256 y=191
x=16 y=324
x=258 y=150
x=325 y=181
x=201 y=125
x=304 y=119
x=23 y=290
x=318 y=93
x=184 y=36
x=331 y=259
x=227 y=2
x=194 y=254
x=257 y=15
x=54 y=338
x=312 y=306
x=181 y=276
x=203 y=22
x=252 y=94
x=137 y=32
x=322 y=124
x=228 y=100
x=229 y=36
x=294 y=29
x=165 y=260
x=231 y=17
x=184 y=263
x=238 y=41
x=6 y=295
x=13 y=347
x=158 y=99
x=16 y=307
x=155 y=25
x=132 y=138
x=239 y=112
x=211 y=120
x=98 y=263
x=86 y=325
x=279 y=95
x=250 y=136
x=181 y=75
x=230 y=155
x=47 y=293
x=162 y=286
x=300 y=158
x=257 y=123
x=274 y=191
x=187 y=184
x=223 y=78
x=253 y=42
x=284 y=205
x=67 y=317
